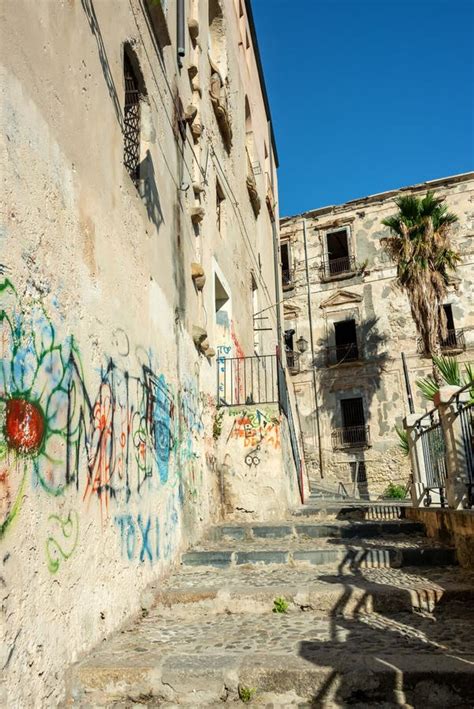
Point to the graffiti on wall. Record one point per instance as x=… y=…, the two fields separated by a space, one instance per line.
x=114 y=442
x=62 y=539
x=255 y=428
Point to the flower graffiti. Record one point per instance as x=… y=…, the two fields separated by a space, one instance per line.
x=34 y=376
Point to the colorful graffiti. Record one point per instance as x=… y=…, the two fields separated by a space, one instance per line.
x=132 y=435
x=255 y=427
x=140 y=537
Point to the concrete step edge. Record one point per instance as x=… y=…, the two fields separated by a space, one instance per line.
x=189 y=679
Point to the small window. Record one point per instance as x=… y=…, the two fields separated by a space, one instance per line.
x=346 y=349
x=131 y=121
x=338 y=260
x=286 y=266
x=220 y=198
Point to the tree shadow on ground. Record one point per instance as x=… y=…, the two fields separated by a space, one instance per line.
x=392 y=645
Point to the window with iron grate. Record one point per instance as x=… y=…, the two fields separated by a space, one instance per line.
x=131 y=122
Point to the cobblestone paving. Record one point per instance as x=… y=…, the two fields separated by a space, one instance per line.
x=285 y=633
x=356 y=634
x=301 y=543
x=265 y=577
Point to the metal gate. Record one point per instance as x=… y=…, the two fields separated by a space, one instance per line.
x=430 y=431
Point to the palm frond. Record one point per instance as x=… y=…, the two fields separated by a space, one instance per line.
x=403 y=440
x=449 y=370
x=428 y=387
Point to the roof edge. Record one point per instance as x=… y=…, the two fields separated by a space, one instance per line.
x=258 y=59
x=381 y=196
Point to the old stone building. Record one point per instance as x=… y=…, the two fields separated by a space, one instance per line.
x=341 y=298
x=141 y=218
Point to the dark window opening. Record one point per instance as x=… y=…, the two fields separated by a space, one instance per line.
x=354 y=430
x=449 y=340
x=289 y=335
x=346 y=349
x=285 y=265
x=338 y=260
x=352 y=411
x=131 y=121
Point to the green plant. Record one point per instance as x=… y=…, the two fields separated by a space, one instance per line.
x=395 y=492
x=280 y=605
x=451 y=374
x=419 y=244
x=403 y=440
x=217 y=425
x=246 y=693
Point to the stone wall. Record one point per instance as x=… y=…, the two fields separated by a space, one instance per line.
x=107 y=400
x=251 y=441
x=455 y=527
x=368 y=295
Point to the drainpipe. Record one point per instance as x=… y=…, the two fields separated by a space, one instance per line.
x=180 y=19
x=407 y=384
x=313 y=369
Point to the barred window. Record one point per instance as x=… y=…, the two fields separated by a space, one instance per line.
x=131 y=122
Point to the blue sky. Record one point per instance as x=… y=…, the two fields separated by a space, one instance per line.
x=367 y=95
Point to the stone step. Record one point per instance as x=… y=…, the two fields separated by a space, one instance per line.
x=243 y=588
x=342 y=530
x=356 y=511
x=287 y=659
x=353 y=557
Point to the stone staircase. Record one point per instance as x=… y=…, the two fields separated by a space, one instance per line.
x=331 y=607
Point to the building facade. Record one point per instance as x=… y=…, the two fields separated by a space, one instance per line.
x=141 y=218
x=340 y=296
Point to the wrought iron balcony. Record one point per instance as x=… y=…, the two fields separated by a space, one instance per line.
x=338 y=267
x=351 y=437
x=293 y=361
x=454 y=341
x=343 y=354
x=287 y=279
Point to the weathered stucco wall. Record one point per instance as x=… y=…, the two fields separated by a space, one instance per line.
x=107 y=456
x=251 y=442
x=384 y=327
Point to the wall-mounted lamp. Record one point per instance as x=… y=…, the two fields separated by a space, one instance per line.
x=302 y=344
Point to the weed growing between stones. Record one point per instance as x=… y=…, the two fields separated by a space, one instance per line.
x=246 y=693
x=280 y=605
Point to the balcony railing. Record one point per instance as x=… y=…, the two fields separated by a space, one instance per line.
x=338 y=267
x=247 y=380
x=351 y=437
x=293 y=361
x=287 y=279
x=454 y=341
x=343 y=354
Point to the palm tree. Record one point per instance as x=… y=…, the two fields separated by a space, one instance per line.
x=420 y=246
